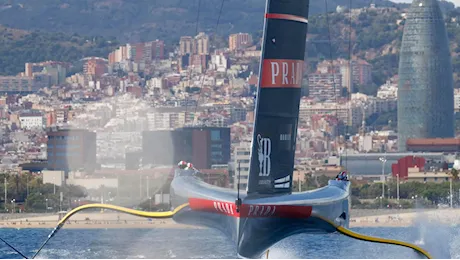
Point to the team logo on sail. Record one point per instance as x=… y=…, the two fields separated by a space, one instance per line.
x=282 y=73
x=264 y=151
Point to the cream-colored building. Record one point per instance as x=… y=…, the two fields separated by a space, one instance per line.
x=91 y=182
x=418 y=175
x=202 y=44
x=53 y=177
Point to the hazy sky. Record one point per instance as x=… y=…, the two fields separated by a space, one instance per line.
x=456 y=2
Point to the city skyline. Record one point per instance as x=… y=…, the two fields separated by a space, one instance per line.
x=148 y=87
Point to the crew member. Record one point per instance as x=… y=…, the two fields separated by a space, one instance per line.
x=189 y=166
x=182 y=165
x=342 y=176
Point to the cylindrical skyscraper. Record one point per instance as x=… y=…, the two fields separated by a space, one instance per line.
x=425 y=92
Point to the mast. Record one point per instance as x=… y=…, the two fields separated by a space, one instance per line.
x=278 y=97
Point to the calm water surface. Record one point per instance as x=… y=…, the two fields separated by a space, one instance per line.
x=441 y=241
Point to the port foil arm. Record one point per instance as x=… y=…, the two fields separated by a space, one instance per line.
x=139 y=213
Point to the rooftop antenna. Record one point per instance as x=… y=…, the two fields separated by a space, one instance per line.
x=238 y=199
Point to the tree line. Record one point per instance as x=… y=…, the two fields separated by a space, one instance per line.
x=27 y=192
x=411 y=193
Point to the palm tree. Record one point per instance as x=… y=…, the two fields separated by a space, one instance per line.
x=454 y=173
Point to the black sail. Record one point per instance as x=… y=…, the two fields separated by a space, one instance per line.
x=278 y=97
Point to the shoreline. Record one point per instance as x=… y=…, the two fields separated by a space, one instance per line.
x=73 y=225
x=148 y=225
x=111 y=220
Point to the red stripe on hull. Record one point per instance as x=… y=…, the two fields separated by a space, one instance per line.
x=250 y=210
x=212 y=206
x=289 y=17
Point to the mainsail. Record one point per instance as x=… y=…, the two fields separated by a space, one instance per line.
x=278 y=97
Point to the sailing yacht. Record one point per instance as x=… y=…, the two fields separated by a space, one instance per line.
x=268 y=210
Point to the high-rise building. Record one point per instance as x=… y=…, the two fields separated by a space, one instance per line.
x=158 y=50
x=118 y=55
x=361 y=72
x=202 y=44
x=202 y=146
x=95 y=67
x=425 y=91
x=239 y=41
x=139 y=49
x=71 y=149
x=186 y=45
x=153 y=50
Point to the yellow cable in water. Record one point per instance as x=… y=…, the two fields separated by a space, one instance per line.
x=358 y=236
x=355 y=235
x=139 y=213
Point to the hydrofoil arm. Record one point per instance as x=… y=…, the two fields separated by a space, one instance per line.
x=139 y=213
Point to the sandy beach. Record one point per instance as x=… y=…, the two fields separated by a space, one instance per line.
x=405 y=219
x=110 y=219
x=107 y=219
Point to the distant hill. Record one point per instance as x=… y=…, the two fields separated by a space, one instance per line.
x=376 y=35
x=142 y=20
x=19 y=46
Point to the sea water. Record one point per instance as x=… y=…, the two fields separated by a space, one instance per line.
x=207 y=243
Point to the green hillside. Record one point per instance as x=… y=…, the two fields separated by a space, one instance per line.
x=376 y=34
x=18 y=47
x=133 y=20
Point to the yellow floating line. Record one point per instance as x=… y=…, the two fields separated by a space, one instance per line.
x=139 y=213
x=355 y=235
x=358 y=236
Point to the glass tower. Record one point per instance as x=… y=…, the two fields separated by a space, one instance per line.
x=425 y=92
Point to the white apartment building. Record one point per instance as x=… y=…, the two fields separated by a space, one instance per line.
x=219 y=63
x=31 y=121
x=457 y=100
x=165 y=120
x=242 y=157
x=344 y=112
x=325 y=86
